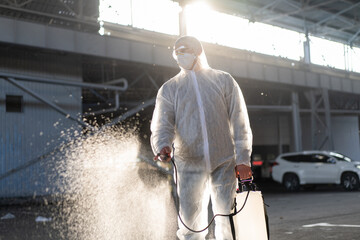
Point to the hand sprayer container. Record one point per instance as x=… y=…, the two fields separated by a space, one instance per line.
x=250 y=223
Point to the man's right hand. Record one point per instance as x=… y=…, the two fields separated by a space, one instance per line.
x=164 y=155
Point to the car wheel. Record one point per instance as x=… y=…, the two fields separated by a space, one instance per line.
x=350 y=181
x=291 y=182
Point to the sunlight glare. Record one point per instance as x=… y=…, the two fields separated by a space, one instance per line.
x=212 y=26
x=208 y=25
x=321 y=55
x=157 y=15
x=200 y=20
x=354 y=59
x=115 y=11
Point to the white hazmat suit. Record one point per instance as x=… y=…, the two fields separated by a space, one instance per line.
x=203 y=113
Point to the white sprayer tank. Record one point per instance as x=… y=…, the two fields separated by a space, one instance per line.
x=250 y=222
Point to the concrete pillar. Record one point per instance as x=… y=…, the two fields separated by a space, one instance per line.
x=182 y=19
x=81 y=9
x=348 y=63
x=296 y=122
x=280 y=142
x=325 y=94
x=307 y=58
x=314 y=115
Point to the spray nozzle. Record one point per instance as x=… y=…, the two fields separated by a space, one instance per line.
x=163 y=157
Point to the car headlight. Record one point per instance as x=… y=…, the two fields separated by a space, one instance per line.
x=357 y=166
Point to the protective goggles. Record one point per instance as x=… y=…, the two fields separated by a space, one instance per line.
x=181 y=51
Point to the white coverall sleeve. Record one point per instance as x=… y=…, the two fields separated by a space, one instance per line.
x=239 y=123
x=163 y=122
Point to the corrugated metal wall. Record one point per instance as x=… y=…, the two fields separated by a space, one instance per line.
x=36 y=130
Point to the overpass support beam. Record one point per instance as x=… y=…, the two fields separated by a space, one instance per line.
x=319 y=102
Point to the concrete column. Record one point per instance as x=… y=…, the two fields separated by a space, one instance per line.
x=325 y=94
x=296 y=122
x=348 y=63
x=280 y=142
x=307 y=48
x=81 y=9
x=313 y=120
x=182 y=19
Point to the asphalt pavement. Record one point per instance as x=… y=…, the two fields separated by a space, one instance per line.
x=327 y=212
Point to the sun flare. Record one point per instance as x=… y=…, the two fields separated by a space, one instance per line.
x=212 y=26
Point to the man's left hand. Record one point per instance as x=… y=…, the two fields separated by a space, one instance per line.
x=243 y=171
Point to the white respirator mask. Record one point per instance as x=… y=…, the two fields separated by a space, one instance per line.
x=186 y=60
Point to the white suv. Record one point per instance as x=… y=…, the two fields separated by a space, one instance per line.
x=316 y=167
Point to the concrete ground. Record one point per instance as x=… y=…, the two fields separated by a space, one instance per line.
x=325 y=213
x=19 y=222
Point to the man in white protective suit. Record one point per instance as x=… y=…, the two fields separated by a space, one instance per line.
x=202 y=111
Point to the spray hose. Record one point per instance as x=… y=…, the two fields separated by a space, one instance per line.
x=216 y=215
